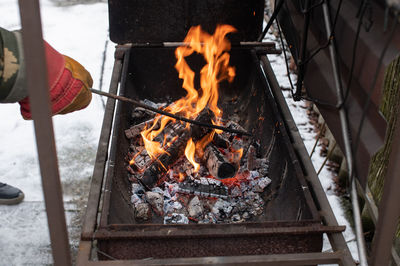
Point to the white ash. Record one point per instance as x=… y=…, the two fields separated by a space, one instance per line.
x=137 y=188
x=260 y=184
x=176 y=218
x=222 y=209
x=142 y=211
x=195 y=207
x=200 y=201
x=156 y=200
x=236 y=218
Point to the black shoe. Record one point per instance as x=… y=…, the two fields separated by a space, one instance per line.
x=10 y=195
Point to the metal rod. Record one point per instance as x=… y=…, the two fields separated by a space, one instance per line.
x=38 y=88
x=158 y=111
x=347 y=144
x=303 y=49
x=389 y=207
x=178 y=44
x=336 y=240
x=293 y=259
x=271 y=20
x=326 y=158
x=89 y=221
x=318 y=137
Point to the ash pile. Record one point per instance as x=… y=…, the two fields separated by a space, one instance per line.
x=220 y=179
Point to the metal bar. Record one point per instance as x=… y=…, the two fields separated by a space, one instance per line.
x=271 y=20
x=90 y=219
x=161 y=112
x=347 y=144
x=116 y=232
x=270 y=260
x=178 y=44
x=389 y=207
x=38 y=88
x=336 y=239
x=303 y=49
x=326 y=158
x=318 y=137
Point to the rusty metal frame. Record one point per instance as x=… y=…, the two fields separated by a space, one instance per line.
x=38 y=88
x=340 y=255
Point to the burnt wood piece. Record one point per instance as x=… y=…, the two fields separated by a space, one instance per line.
x=135 y=130
x=220 y=141
x=171 y=130
x=197 y=132
x=141 y=161
x=216 y=163
x=160 y=166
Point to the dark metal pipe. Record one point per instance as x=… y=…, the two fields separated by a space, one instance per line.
x=347 y=144
x=271 y=20
x=158 y=111
x=301 y=64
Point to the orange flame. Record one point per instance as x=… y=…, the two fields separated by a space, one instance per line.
x=214 y=49
x=189 y=153
x=181 y=177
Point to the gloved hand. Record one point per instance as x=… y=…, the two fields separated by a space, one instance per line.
x=69 y=81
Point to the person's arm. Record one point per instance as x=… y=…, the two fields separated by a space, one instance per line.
x=69 y=81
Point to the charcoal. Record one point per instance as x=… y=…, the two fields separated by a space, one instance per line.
x=260 y=184
x=220 y=141
x=142 y=211
x=137 y=188
x=195 y=208
x=221 y=209
x=156 y=201
x=135 y=130
x=160 y=166
x=203 y=189
x=176 y=218
x=236 y=218
x=206 y=116
x=235 y=192
x=251 y=158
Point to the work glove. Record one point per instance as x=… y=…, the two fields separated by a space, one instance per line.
x=69 y=81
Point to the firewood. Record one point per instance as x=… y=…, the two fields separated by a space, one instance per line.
x=197 y=132
x=216 y=163
x=135 y=130
x=161 y=165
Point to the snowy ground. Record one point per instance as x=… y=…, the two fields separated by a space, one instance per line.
x=299 y=113
x=79 y=31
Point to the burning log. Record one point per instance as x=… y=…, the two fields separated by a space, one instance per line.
x=197 y=132
x=217 y=164
x=160 y=166
x=135 y=130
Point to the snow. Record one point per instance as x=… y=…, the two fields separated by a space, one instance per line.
x=81 y=32
x=308 y=135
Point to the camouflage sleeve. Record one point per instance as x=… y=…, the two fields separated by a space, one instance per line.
x=12 y=67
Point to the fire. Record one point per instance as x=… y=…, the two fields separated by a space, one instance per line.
x=215 y=50
x=189 y=153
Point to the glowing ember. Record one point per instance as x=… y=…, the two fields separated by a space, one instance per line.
x=214 y=49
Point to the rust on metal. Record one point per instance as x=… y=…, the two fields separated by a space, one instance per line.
x=36 y=72
x=89 y=223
